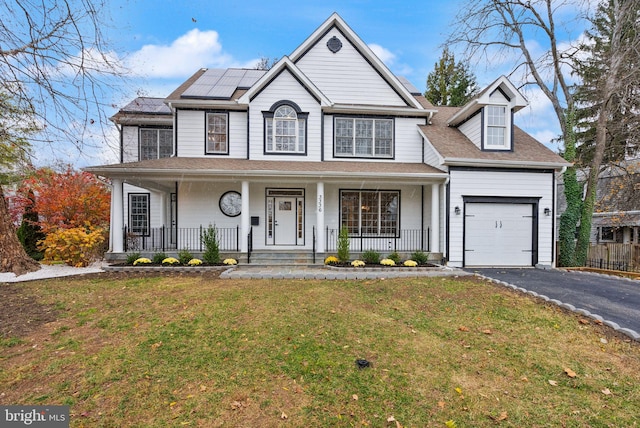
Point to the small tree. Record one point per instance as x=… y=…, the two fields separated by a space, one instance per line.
x=211 y=244
x=450 y=83
x=343 y=245
x=30 y=232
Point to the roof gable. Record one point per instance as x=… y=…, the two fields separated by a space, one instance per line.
x=498 y=92
x=335 y=31
x=284 y=64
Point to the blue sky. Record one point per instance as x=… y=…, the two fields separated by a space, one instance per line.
x=167 y=41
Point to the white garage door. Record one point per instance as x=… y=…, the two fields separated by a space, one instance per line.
x=498 y=234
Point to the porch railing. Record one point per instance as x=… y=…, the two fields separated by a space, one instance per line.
x=405 y=240
x=174 y=238
x=625 y=257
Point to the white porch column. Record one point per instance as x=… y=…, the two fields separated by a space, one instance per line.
x=245 y=218
x=320 y=217
x=117 y=216
x=435 y=219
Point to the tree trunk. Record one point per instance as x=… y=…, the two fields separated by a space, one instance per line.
x=13 y=258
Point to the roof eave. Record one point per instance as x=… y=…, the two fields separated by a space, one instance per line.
x=504 y=163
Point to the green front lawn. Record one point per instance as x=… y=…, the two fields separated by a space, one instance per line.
x=200 y=351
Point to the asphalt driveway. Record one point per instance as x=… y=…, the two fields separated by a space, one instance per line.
x=615 y=300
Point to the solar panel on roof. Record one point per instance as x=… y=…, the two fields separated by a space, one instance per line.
x=409 y=86
x=221 y=84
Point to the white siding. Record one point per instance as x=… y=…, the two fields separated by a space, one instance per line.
x=284 y=87
x=238 y=134
x=191 y=133
x=130 y=143
x=345 y=76
x=407 y=141
x=431 y=157
x=158 y=205
x=472 y=129
x=500 y=183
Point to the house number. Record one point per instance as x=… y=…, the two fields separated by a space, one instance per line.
x=319 y=203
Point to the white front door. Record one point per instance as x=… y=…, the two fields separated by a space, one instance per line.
x=498 y=234
x=285 y=221
x=285 y=217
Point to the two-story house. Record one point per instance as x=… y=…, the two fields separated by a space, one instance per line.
x=329 y=138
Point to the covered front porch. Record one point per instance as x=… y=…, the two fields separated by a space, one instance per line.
x=385 y=207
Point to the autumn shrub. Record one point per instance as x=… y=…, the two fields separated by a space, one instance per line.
x=77 y=246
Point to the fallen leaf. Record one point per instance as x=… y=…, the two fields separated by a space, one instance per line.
x=203 y=388
x=524 y=379
x=355 y=397
x=441 y=404
x=156 y=345
x=487 y=331
x=570 y=373
x=501 y=417
x=597 y=322
x=583 y=321
x=603 y=340
x=553 y=382
x=284 y=416
x=606 y=391
x=236 y=405
x=463 y=328
x=459 y=390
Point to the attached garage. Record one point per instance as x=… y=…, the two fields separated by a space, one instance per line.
x=500 y=231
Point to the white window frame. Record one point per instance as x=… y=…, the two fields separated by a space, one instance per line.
x=158 y=152
x=216 y=137
x=496 y=124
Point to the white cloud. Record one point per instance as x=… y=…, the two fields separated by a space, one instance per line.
x=384 y=54
x=195 y=49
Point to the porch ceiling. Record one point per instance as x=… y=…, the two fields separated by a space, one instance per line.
x=175 y=168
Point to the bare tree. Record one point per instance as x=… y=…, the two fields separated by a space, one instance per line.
x=56 y=67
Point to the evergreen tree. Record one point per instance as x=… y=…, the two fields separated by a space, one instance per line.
x=30 y=232
x=450 y=83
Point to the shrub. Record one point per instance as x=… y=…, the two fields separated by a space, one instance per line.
x=77 y=247
x=420 y=257
x=358 y=263
x=331 y=261
x=171 y=261
x=30 y=232
x=142 y=261
x=132 y=257
x=387 y=262
x=371 y=257
x=184 y=256
x=410 y=263
x=343 y=245
x=211 y=244
x=395 y=257
x=230 y=262
x=195 y=262
x=158 y=258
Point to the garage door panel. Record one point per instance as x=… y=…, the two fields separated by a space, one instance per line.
x=498 y=234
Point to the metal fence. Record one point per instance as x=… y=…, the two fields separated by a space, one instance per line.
x=625 y=257
x=405 y=240
x=174 y=238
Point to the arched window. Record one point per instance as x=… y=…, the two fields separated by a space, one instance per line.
x=285 y=129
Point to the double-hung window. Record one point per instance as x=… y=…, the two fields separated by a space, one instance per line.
x=217 y=134
x=139 y=216
x=497 y=135
x=363 y=137
x=155 y=143
x=370 y=213
x=285 y=130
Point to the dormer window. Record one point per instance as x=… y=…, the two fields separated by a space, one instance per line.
x=496 y=132
x=285 y=129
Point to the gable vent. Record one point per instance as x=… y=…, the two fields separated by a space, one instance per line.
x=334 y=44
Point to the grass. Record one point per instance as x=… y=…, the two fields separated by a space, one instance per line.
x=197 y=351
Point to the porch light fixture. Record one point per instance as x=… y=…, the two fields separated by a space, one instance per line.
x=547 y=212
x=456 y=210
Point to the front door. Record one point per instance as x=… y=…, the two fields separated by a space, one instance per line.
x=285 y=217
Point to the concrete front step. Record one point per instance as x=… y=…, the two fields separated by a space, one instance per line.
x=284 y=258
